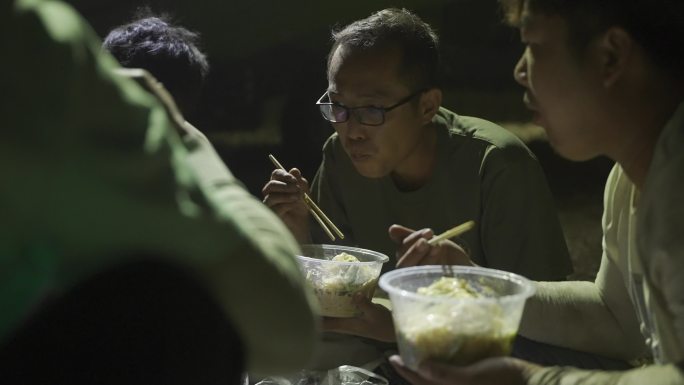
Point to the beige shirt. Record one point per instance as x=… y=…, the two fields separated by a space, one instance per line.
x=646 y=247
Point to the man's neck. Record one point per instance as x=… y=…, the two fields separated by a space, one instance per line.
x=645 y=120
x=415 y=171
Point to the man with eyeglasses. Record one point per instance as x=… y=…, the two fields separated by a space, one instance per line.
x=398 y=161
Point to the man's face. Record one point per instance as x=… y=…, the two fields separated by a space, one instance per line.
x=371 y=78
x=562 y=89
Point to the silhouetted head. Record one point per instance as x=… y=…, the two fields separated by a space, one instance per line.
x=168 y=52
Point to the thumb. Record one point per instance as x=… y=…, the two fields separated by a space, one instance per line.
x=397 y=233
x=362 y=302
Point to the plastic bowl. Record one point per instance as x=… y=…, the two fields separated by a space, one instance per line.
x=456 y=331
x=335 y=283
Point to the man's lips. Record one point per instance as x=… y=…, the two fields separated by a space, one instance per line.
x=359 y=156
x=359 y=153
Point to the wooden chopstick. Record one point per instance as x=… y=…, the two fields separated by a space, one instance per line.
x=458 y=230
x=316 y=211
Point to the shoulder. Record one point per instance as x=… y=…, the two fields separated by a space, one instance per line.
x=493 y=140
x=661 y=209
x=59 y=20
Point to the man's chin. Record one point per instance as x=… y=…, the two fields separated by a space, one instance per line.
x=572 y=153
x=370 y=171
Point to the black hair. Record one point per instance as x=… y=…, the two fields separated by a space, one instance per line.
x=417 y=41
x=170 y=53
x=657 y=25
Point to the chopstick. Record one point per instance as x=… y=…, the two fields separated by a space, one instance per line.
x=455 y=231
x=315 y=211
x=447 y=270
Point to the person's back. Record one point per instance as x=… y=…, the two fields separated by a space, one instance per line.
x=128 y=257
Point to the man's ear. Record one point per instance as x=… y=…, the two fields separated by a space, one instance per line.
x=615 y=49
x=430 y=101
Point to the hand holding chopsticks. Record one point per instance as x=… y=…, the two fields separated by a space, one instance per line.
x=453 y=232
x=326 y=224
x=415 y=249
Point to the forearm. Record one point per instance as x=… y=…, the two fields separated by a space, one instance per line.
x=652 y=375
x=574 y=315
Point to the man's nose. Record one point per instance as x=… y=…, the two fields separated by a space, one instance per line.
x=356 y=130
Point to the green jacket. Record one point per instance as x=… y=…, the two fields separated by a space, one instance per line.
x=93 y=170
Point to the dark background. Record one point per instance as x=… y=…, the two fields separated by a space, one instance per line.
x=267 y=62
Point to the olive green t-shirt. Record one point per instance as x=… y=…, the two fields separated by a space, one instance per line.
x=483 y=173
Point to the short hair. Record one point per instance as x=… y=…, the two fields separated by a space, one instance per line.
x=417 y=41
x=657 y=25
x=170 y=53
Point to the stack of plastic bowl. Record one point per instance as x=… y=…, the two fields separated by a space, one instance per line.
x=456 y=331
x=335 y=283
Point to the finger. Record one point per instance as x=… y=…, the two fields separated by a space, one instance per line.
x=283 y=176
x=368 y=310
x=449 y=253
x=341 y=325
x=438 y=256
x=415 y=254
x=283 y=209
x=277 y=198
x=397 y=233
x=407 y=373
x=301 y=181
x=407 y=241
x=416 y=235
x=443 y=374
x=298 y=175
x=410 y=239
x=275 y=185
x=362 y=302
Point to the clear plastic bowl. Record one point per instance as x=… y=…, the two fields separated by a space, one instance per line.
x=456 y=331
x=335 y=283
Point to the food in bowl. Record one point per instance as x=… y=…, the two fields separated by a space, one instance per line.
x=338 y=273
x=438 y=338
x=456 y=320
x=449 y=287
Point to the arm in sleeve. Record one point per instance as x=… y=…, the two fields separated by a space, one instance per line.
x=652 y=375
x=520 y=228
x=661 y=245
x=591 y=317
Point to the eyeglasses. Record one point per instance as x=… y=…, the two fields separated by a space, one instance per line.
x=366 y=115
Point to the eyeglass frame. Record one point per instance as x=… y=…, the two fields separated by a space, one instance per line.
x=350 y=110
